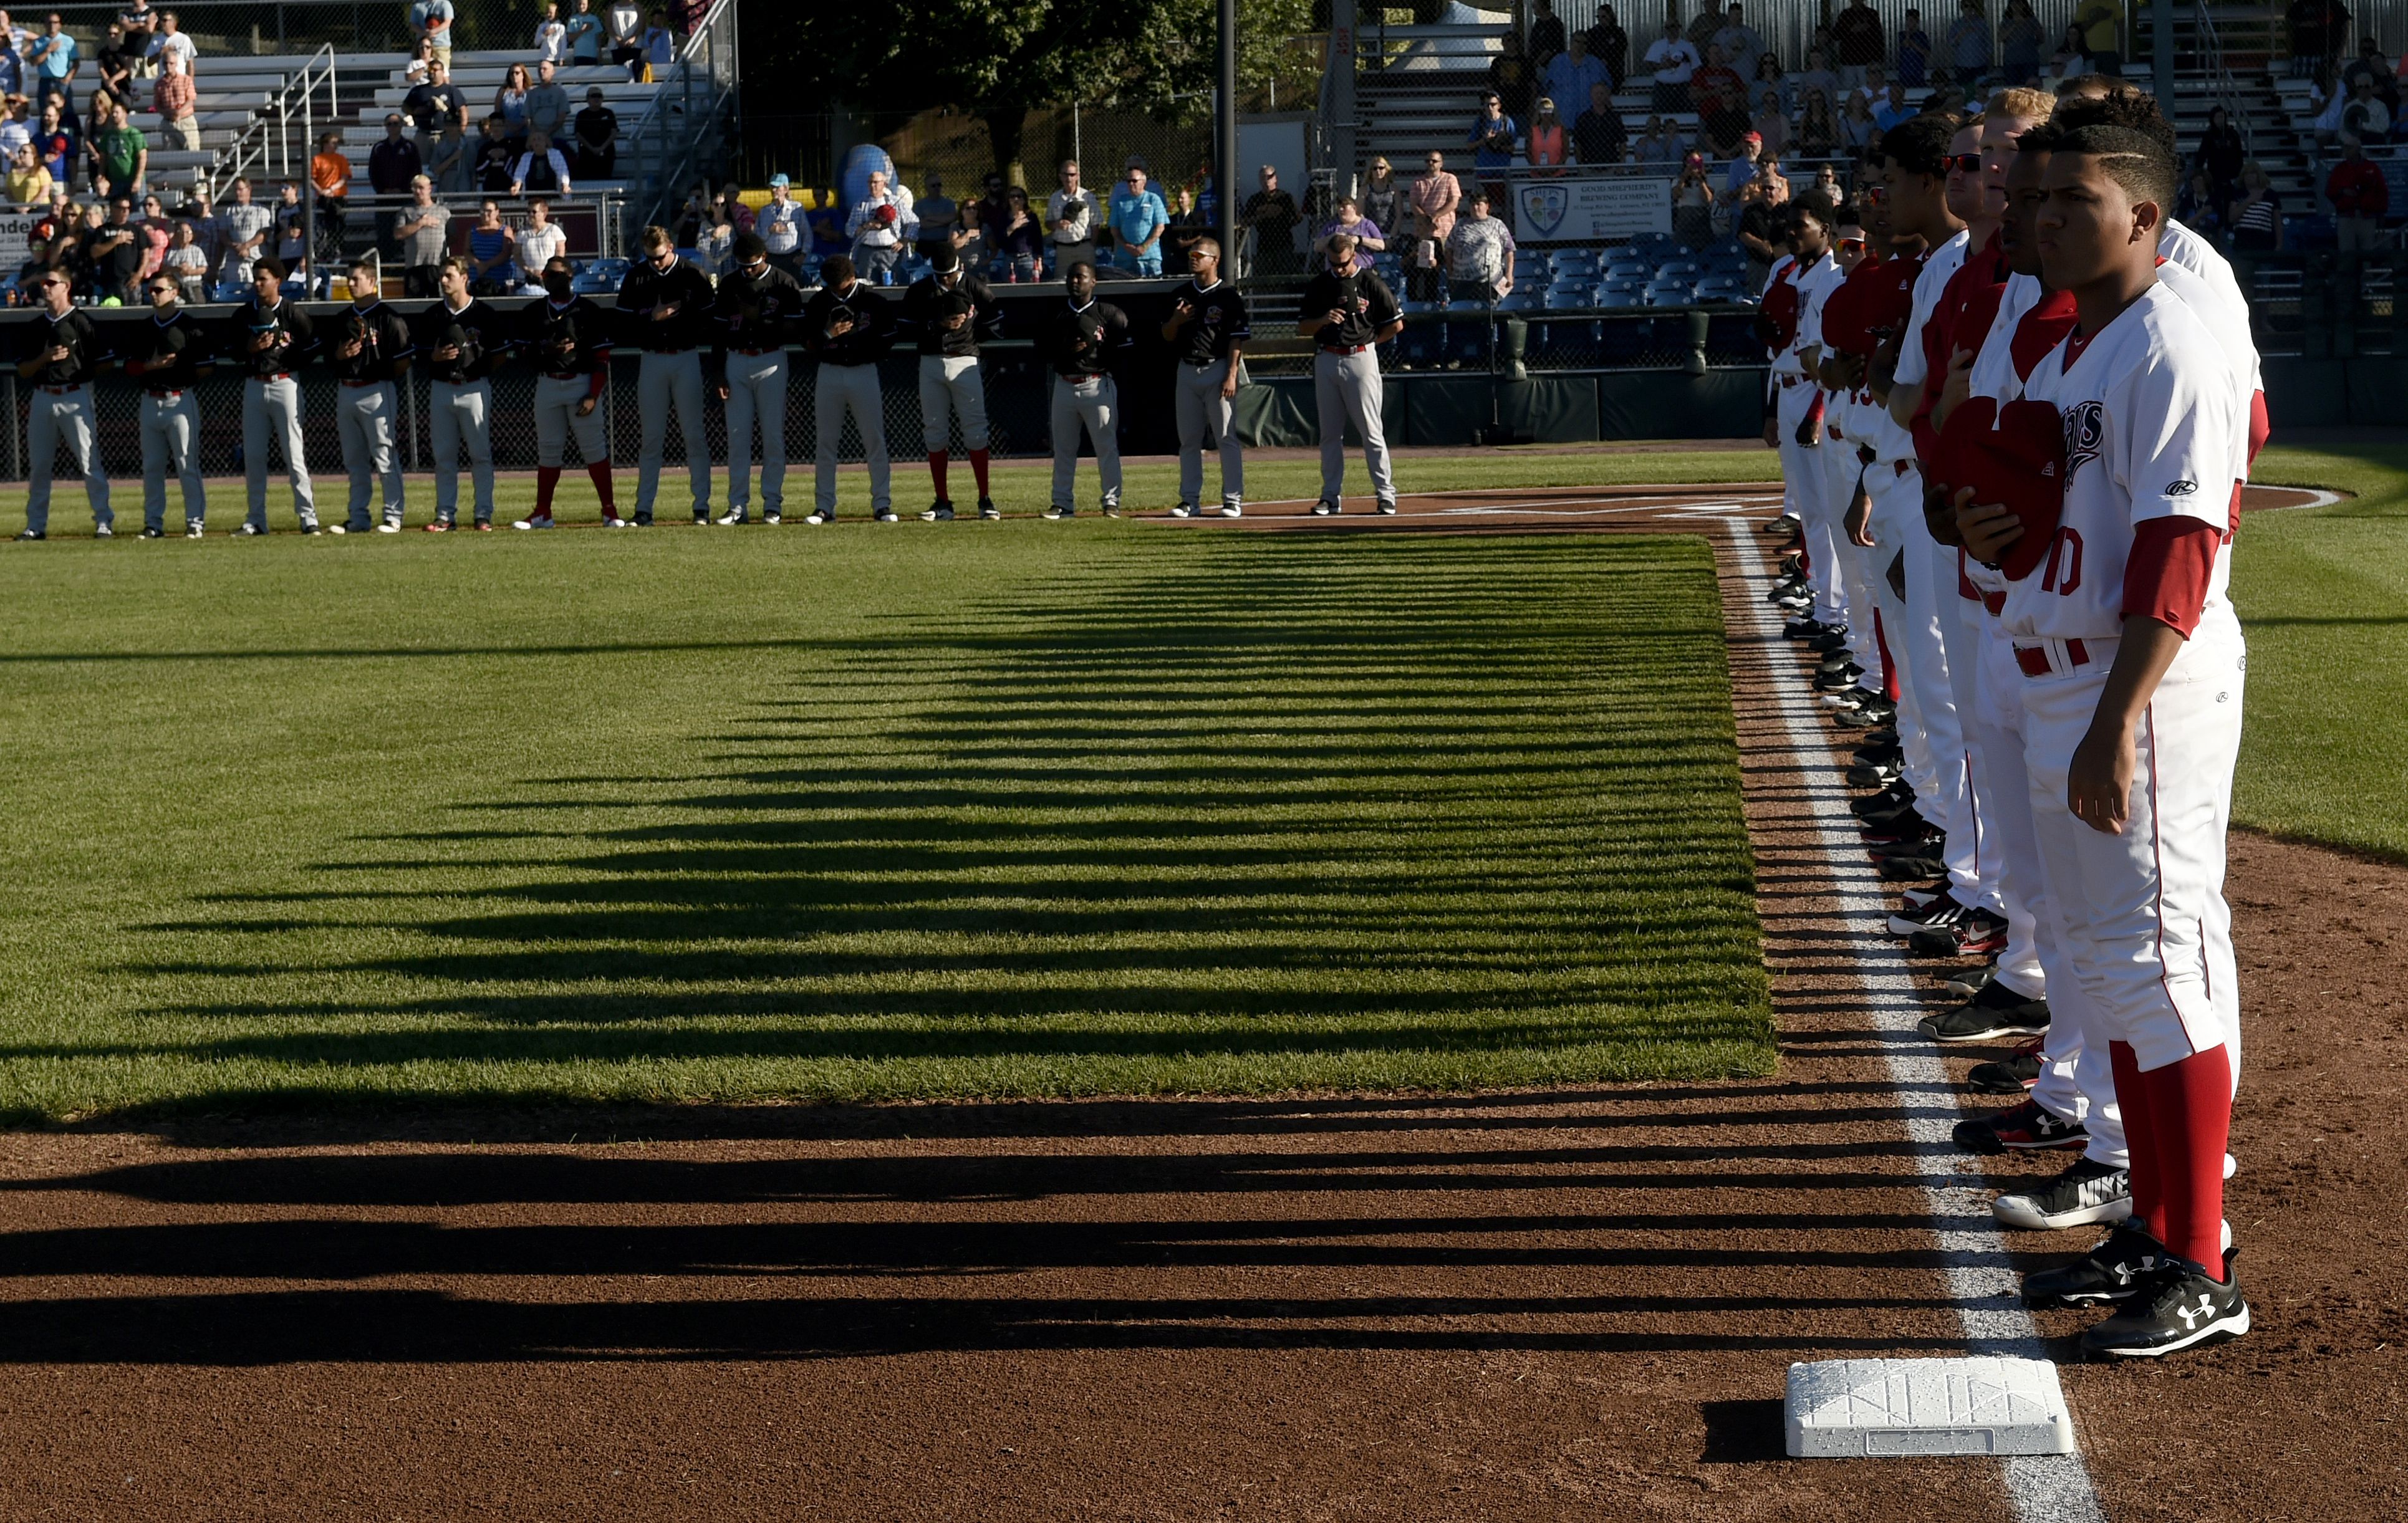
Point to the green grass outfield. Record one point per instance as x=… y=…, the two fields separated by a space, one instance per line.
x=863 y=812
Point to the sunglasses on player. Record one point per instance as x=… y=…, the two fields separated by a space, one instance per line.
x=1851 y=246
x=1970 y=163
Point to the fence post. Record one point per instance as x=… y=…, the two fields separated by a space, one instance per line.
x=16 y=471
x=410 y=394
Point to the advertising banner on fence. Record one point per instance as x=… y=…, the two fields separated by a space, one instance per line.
x=16 y=238
x=1589 y=210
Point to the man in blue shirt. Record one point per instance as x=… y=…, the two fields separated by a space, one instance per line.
x=585 y=35
x=54 y=54
x=1137 y=219
x=1571 y=72
x=1492 y=140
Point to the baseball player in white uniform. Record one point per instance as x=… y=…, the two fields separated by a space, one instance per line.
x=271 y=338
x=1081 y=341
x=1348 y=317
x=64 y=354
x=2135 y=664
x=370 y=351
x=1796 y=413
x=1206 y=330
x=166 y=358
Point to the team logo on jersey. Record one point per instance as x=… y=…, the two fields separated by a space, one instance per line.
x=1545 y=206
x=2181 y=488
x=2086 y=429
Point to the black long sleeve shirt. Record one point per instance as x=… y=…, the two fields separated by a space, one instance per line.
x=925 y=302
x=1369 y=304
x=75 y=334
x=873 y=325
x=386 y=344
x=476 y=329
x=567 y=341
x=295 y=337
x=647 y=291
x=754 y=312
x=1082 y=341
x=169 y=353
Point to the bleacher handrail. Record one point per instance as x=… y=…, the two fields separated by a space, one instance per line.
x=697 y=57
x=270 y=129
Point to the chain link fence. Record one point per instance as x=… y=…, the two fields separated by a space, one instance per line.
x=243 y=28
x=959 y=150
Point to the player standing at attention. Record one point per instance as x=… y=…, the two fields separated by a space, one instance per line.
x=1348 y=316
x=1206 y=330
x=64 y=354
x=664 y=302
x=371 y=354
x=753 y=313
x=461 y=339
x=166 y=358
x=949 y=310
x=2132 y=720
x=1081 y=341
x=570 y=339
x=847 y=327
x=272 y=338
x=1797 y=404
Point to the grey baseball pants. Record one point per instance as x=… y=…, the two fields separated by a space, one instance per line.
x=1203 y=409
x=556 y=422
x=367 y=417
x=463 y=416
x=63 y=416
x=1093 y=404
x=950 y=387
x=756 y=389
x=1346 y=387
x=171 y=435
x=272 y=412
x=664 y=380
x=853 y=389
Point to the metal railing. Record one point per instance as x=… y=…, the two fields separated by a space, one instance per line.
x=684 y=117
x=267 y=144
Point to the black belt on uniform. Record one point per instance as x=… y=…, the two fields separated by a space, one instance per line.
x=1083 y=376
x=757 y=354
x=164 y=394
x=64 y=390
x=274 y=375
x=567 y=375
x=356 y=385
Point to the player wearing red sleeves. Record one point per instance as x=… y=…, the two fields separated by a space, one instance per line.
x=2131 y=721
x=1796 y=424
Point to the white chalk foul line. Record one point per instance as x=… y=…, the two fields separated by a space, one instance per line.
x=2043 y=1488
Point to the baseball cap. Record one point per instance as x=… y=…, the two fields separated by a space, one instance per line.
x=1755 y=137
x=1546 y=104
x=778 y=180
x=2014 y=456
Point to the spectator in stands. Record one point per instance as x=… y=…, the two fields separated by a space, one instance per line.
x=1492 y=139
x=1739 y=41
x=625 y=24
x=1272 y=214
x=1757 y=226
x=58 y=145
x=1189 y=225
x=2311 y=40
x=551 y=39
x=452 y=161
x=171 y=41
x=1546 y=34
x=431 y=105
x=543 y=169
x=422 y=58
x=493 y=253
x=2196 y=205
x=137 y=20
x=1721 y=107
x=175 y=98
x=1511 y=76
x=1138 y=219
x=208 y=233
x=881 y=224
x=2071 y=60
x=1480 y=254
x=12 y=66
x=992 y=213
x=542 y=240
x=431 y=19
x=597 y=137
x=53 y=54
x=660 y=45
x=113 y=259
x=941 y=220
x=490 y=157
x=1693 y=204
x=246 y=224
x=394 y=163
x=1075 y=217
x=1435 y=197
x=1384 y=195
x=2220 y=155
x=1772 y=124
x=330 y=176
x=16 y=125
x=157 y=233
x=739 y=216
x=1573 y=72
x=1660 y=142
x=546 y=106
x=1741 y=172
x=783 y=232
x=511 y=103
x=2359 y=195
x=1673 y=62
x=2370 y=63
x=113 y=63
x=585 y=35
x=1018 y=239
x=1827 y=185
x=423 y=228
x=120 y=155
x=188 y=263
x=1818 y=131
x=29 y=183
x=1914 y=50
x=1549 y=145
x=1368 y=239
x=1969 y=43
x=2102 y=34
x=1766 y=74
x=292 y=234
x=2020 y=39
x=2255 y=215
x=1817 y=75
x=1894 y=109
x=2363 y=115
x=1610 y=45
x=1857 y=33
x=1598 y=136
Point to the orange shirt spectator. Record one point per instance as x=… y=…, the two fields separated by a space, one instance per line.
x=331 y=173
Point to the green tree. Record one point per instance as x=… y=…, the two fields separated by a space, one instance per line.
x=998 y=61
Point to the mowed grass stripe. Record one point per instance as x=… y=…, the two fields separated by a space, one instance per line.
x=750 y=816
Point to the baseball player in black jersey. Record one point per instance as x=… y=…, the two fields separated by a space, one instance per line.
x=570 y=340
x=165 y=357
x=370 y=350
x=1347 y=316
x=754 y=317
x=461 y=340
x=846 y=327
x=665 y=309
x=1081 y=340
x=271 y=338
x=948 y=311
x=62 y=352
x=1205 y=331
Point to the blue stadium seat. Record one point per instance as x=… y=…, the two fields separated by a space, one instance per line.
x=1518 y=300
x=1469 y=333
x=1616 y=298
x=1420 y=345
x=1563 y=341
x=1636 y=269
x=1674 y=292
x=1569 y=299
x=1678 y=269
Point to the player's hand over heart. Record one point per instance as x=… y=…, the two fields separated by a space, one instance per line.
x=1987 y=529
x=1954 y=389
x=2098 y=781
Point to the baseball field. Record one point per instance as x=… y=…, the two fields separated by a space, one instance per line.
x=416 y=948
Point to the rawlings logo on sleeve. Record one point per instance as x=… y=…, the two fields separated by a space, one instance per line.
x=2181 y=488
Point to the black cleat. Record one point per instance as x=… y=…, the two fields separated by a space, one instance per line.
x=32 y=534
x=1326 y=508
x=2086 y=1193
x=2177 y=1307
x=1912 y=869
x=2114 y=1269
x=1996 y=1012
x=987 y=508
x=2010 y=1075
x=939 y=511
x=2030 y=1127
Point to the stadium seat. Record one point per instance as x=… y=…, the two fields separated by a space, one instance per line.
x=1673 y=293
x=1678 y=269
x=1635 y=269
x=1615 y=298
x=1563 y=342
x=1469 y=332
x=1569 y=299
x=1518 y=300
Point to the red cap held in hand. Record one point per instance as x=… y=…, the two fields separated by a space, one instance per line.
x=2014 y=456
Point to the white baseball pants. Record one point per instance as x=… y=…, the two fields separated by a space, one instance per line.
x=950 y=387
x=1093 y=404
x=368 y=419
x=839 y=389
x=1807 y=491
x=1346 y=389
x=662 y=381
x=756 y=389
x=272 y=412
x=1927 y=709
x=53 y=418
x=462 y=418
x=1204 y=411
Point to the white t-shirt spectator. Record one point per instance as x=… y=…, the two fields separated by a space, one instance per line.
x=552 y=41
x=540 y=246
x=179 y=43
x=1674 y=60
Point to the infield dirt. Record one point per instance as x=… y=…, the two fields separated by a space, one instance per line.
x=1512 y=1305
